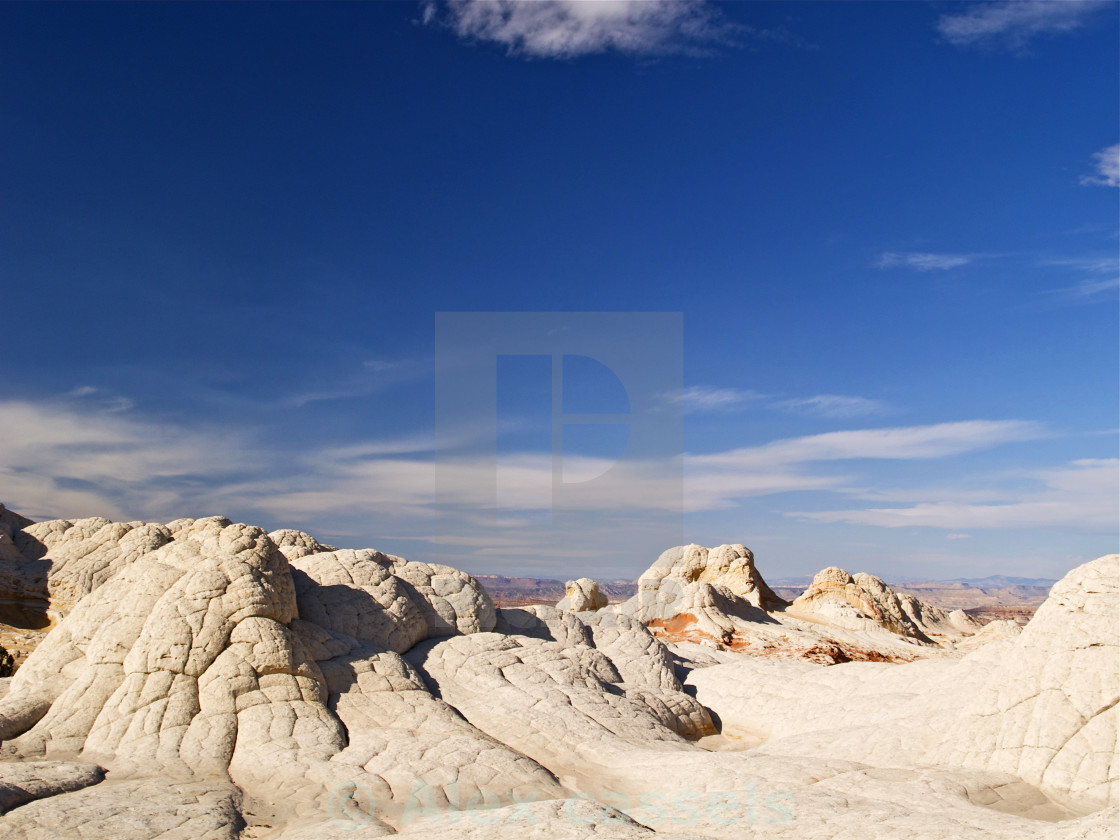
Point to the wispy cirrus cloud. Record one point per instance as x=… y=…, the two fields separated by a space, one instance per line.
x=68 y=457
x=571 y=28
x=718 y=480
x=704 y=398
x=101 y=398
x=834 y=406
x=922 y=261
x=374 y=377
x=65 y=457
x=1082 y=494
x=1014 y=23
x=343 y=481
x=72 y=457
x=1107 y=166
x=903 y=443
x=1102 y=274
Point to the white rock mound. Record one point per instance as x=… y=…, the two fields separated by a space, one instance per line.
x=582 y=595
x=1039 y=707
x=695 y=590
x=863 y=602
x=210 y=680
x=717 y=598
x=190 y=660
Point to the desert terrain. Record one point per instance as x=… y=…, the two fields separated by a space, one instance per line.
x=206 y=679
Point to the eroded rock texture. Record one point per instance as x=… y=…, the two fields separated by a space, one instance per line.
x=864 y=602
x=717 y=598
x=208 y=679
x=582 y=595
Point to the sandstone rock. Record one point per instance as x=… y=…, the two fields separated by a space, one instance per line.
x=296 y=544
x=1048 y=711
x=863 y=602
x=134 y=809
x=582 y=595
x=235 y=683
x=717 y=598
x=23 y=782
x=1040 y=706
x=993 y=631
x=189 y=660
x=727 y=569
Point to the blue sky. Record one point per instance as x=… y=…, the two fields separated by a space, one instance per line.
x=890 y=230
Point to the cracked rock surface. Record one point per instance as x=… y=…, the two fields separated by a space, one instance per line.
x=206 y=679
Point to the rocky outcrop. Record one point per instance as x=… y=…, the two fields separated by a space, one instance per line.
x=863 y=602
x=717 y=597
x=190 y=658
x=211 y=680
x=692 y=573
x=697 y=593
x=25 y=614
x=582 y=595
x=1047 y=712
x=1040 y=705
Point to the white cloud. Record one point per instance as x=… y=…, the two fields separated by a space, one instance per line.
x=1091 y=265
x=101 y=398
x=923 y=261
x=1015 y=22
x=61 y=458
x=1104 y=276
x=906 y=442
x=1108 y=168
x=833 y=405
x=67 y=458
x=716 y=481
x=956 y=536
x=376 y=376
x=382 y=365
x=569 y=28
x=698 y=398
x=1084 y=494
x=1092 y=288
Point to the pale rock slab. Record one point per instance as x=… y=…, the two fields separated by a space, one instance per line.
x=132 y=809
x=189 y=660
x=23 y=782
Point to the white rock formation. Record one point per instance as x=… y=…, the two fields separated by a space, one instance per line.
x=1040 y=706
x=209 y=680
x=717 y=597
x=864 y=603
x=582 y=595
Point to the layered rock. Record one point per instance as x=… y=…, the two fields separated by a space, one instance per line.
x=1047 y=712
x=692 y=573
